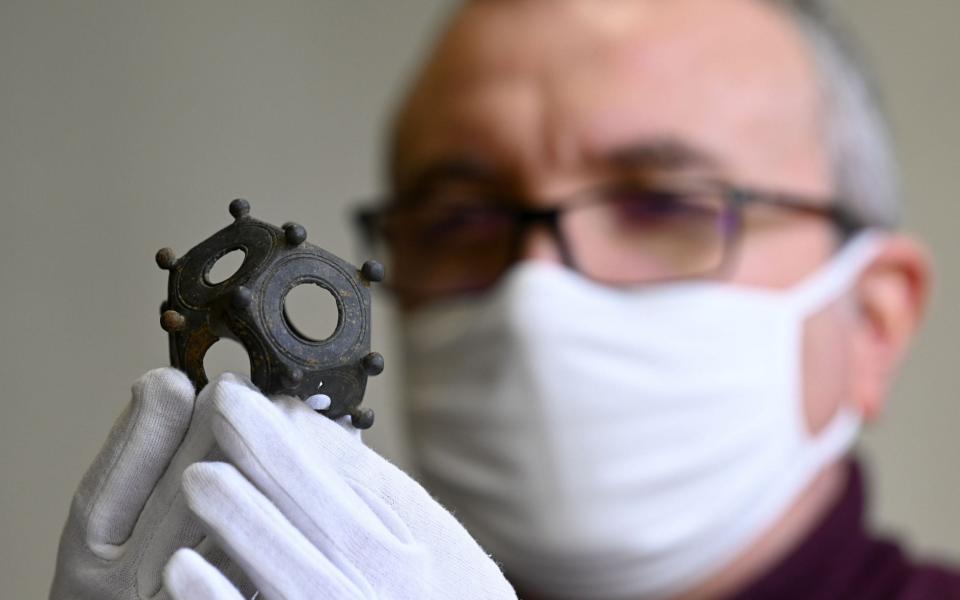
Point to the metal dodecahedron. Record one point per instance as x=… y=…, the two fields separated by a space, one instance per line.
x=249 y=307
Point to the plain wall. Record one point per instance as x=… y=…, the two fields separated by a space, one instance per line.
x=129 y=125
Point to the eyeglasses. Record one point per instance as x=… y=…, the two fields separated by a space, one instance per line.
x=614 y=234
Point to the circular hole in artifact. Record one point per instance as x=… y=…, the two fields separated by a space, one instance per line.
x=311 y=312
x=225 y=267
x=226 y=356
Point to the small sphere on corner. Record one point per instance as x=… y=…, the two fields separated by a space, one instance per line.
x=239 y=208
x=372 y=271
x=166 y=258
x=295 y=233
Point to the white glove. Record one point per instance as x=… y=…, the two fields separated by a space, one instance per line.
x=129 y=515
x=310 y=512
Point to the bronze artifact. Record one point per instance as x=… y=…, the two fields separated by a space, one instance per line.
x=249 y=307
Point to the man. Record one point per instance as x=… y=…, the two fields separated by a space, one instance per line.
x=651 y=288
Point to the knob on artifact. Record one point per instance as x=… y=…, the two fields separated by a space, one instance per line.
x=292 y=377
x=172 y=321
x=362 y=418
x=239 y=208
x=166 y=258
x=373 y=363
x=372 y=271
x=295 y=233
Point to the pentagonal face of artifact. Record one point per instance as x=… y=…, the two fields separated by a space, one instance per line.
x=193 y=284
x=310 y=268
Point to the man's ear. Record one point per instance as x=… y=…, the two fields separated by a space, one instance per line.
x=891 y=299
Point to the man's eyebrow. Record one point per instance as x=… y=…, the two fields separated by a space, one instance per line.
x=666 y=153
x=447 y=170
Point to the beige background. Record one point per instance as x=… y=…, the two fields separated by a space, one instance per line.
x=128 y=125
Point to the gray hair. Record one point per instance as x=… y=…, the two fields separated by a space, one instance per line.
x=865 y=170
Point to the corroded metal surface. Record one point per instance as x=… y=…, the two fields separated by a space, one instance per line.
x=249 y=307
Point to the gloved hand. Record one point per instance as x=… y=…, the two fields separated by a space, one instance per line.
x=129 y=515
x=308 y=511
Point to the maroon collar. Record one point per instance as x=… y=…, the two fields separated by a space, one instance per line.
x=840 y=559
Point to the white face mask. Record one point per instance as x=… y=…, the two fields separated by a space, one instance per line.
x=606 y=443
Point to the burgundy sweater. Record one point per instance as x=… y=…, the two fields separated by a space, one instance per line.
x=841 y=559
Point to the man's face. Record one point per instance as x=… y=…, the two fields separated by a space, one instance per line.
x=539 y=99
x=546 y=98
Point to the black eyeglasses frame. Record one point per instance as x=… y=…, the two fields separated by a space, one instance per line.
x=368 y=219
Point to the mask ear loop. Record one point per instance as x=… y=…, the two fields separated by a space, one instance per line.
x=838 y=275
x=835 y=439
x=818 y=290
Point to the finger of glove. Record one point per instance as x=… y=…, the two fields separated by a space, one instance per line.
x=221 y=561
x=387 y=489
x=400 y=503
x=271 y=452
x=276 y=557
x=337 y=445
x=199 y=443
x=188 y=577
x=166 y=523
x=248 y=426
x=428 y=547
x=334 y=444
x=114 y=490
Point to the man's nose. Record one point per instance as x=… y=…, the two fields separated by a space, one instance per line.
x=539 y=244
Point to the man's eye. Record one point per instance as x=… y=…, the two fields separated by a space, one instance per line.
x=652 y=206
